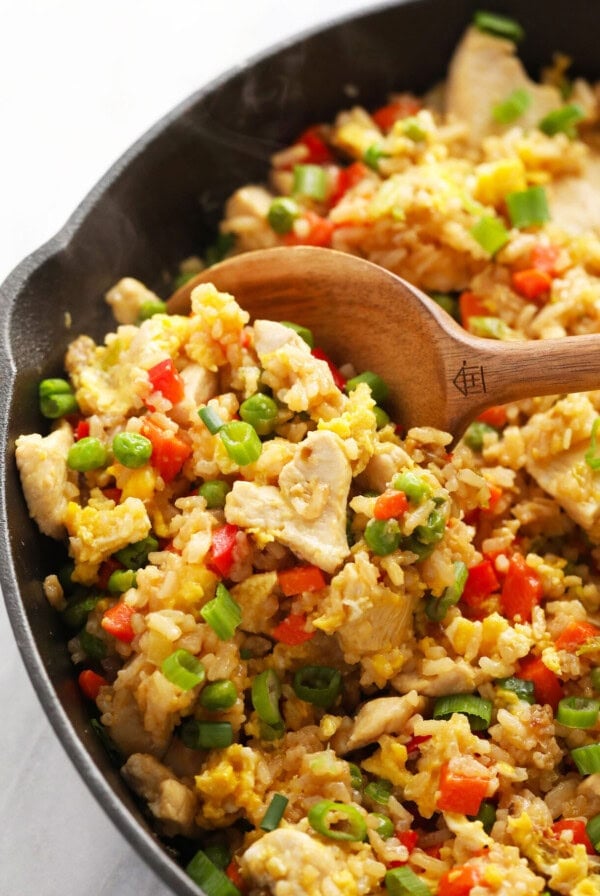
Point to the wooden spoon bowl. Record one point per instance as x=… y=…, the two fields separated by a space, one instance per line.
x=438 y=374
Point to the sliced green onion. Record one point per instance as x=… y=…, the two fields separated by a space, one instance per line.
x=489 y=327
x=282 y=213
x=433 y=530
x=593 y=830
x=413 y=129
x=265 y=693
x=303 y=332
x=132 y=449
x=592 y=455
x=310 y=181
x=56 y=398
x=241 y=442
x=135 y=555
x=477 y=710
x=107 y=742
x=271 y=732
x=372 y=155
x=379 y=791
x=77 y=611
x=499 y=25
x=446 y=301
x=490 y=233
x=385 y=826
x=486 y=815
x=219 y=249
x=578 y=712
x=211 y=419
x=156 y=306
x=587 y=759
x=211 y=880
x=206 y=735
x=379 y=388
x=436 y=609
x=356 y=777
x=381 y=417
x=274 y=813
x=121 y=580
x=214 y=492
x=87 y=454
x=260 y=411
x=474 y=436
x=595 y=678
x=319 y=685
x=562 y=121
x=222 y=613
x=348 y=823
x=219 y=854
x=382 y=536
x=523 y=689
x=403 y=881
x=183 y=669
x=512 y=107
x=92 y=646
x=528 y=207
x=414 y=486
x=219 y=695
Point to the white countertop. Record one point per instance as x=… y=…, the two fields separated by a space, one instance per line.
x=79 y=83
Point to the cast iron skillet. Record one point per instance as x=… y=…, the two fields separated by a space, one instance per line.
x=159 y=203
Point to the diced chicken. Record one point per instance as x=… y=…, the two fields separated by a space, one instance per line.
x=42 y=463
x=307 y=511
x=461 y=678
x=246 y=217
x=575 y=201
x=126 y=299
x=299 y=380
x=199 y=386
x=484 y=71
x=384 y=715
x=388 y=461
x=170 y=801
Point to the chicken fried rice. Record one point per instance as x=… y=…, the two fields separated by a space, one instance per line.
x=332 y=657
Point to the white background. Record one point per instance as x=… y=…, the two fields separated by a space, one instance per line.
x=79 y=82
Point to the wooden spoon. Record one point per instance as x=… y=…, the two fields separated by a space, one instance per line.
x=438 y=374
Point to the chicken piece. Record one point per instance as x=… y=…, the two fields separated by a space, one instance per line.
x=307 y=512
x=172 y=803
x=42 y=463
x=126 y=299
x=246 y=217
x=388 y=460
x=575 y=201
x=384 y=715
x=461 y=678
x=257 y=601
x=301 y=381
x=289 y=862
x=484 y=70
x=199 y=385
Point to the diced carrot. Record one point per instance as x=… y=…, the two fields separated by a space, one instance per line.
x=532 y=283
x=117 y=622
x=338 y=378
x=169 y=451
x=318 y=232
x=298 y=579
x=494 y=416
x=415 y=742
x=470 y=305
x=459 y=881
x=575 y=634
x=578 y=832
x=90 y=683
x=544 y=258
x=522 y=590
x=390 y=504
x=165 y=378
x=459 y=792
x=547 y=686
x=292 y=630
x=346 y=179
x=319 y=152
x=386 y=116
x=481 y=582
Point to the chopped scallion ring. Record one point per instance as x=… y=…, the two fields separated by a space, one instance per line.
x=183 y=669
x=274 y=813
x=587 y=759
x=436 y=609
x=512 y=107
x=403 y=881
x=490 y=233
x=211 y=419
x=206 y=735
x=310 y=181
x=499 y=25
x=265 y=693
x=241 y=442
x=222 y=613
x=520 y=687
x=477 y=709
x=379 y=791
x=338 y=821
x=219 y=695
x=527 y=208
x=562 y=121
x=319 y=685
x=211 y=880
x=578 y=712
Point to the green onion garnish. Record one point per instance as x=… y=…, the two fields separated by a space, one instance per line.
x=500 y=26
x=432 y=531
x=562 y=121
x=94 y=647
x=211 y=419
x=337 y=821
x=474 y=436
x=274 y=813
x=486 y=815
x=595 y=678
x=260 y=411
x=211 y=880
x=512 y=107
x=222 y=613
x=76 y=612
x=490 y=233
x=372 y=155
x=219 y=695
x=57 y=398
x=527 y=208
x=214 y=492
x=183 y=669
x=523 y=689
x=241 y=442
x=206 y=735
x=477 y=710
x=282 y=213
x=382 y=536
x=156 y=306
x=271 y=732
x=436 y=609
x=587 y=759
x=578 y=712
x=87 y=454
x=265 y=694
x=447 y=301
x=379 y=791
x=304 y=332
x=489 y=327
x=219 y=854
x=385 y=826
x=593 y=830
x=592 y=455
x=319 y=685
x=403 y=881
x=382 y=418
x=310 y=181
x=356 y=777
x=413 y=129
x=379 y=388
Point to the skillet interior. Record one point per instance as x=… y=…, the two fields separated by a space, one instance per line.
x=161 y=202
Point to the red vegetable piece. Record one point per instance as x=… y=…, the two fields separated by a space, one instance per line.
x=481 y=582
x=298 y=579
x=319 y=152
x=346 y=179
x=532 y=283
x=82 y=430
x=90 y=683
x=575 y=634
x=459 y=792
x=459 y=881
x=390 y=504
x=164 y=378
x=521 y=591
x=117 y=622
x=338 y=378
x=292 y=631
x=318 y=232
x=470 y=305
x=222 y=547
x=494 y=416
x=576 y=826
x=169 y=451
x=547 y=686
x=386 y=116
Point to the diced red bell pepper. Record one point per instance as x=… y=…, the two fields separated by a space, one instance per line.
x=470 y=305
x=575 y=634
x=105 y=571
x=298 y=579
x=112 y=493
x=169 y=451
x=494 y=416
x=532 y=283
x=82 y=430
x=547 y=686
x=459 y=881
x=576 y=826
x=390 y=504
x=292 y=630
x=459 y=792
x=346 y=179
x=221 y=553
x=386 y=116
x=319 y=152
x=544 y=258
x=522 y=590
x=481 y=582
x=164 y=378
x=415 y=742
x=117 y=622
x=318 y=233
x=90 y=683
x=408 y=839
x=338 y=378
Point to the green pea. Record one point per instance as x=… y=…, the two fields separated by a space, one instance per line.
x=382 y=536
x=385 y=826
x=381 y=418
x=260 y=411
x=132 y=449
x=414 y=486
x=136 y=555
x=379 y=388
x=76 y=613
x=282 y=213
x=474 y=435
x=121 y=580
x=87 y=454
x=214 y=492
x=151 y=307
x=93 y=647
